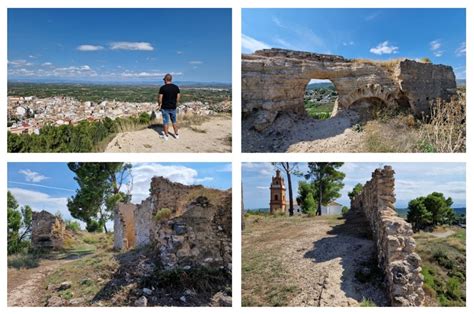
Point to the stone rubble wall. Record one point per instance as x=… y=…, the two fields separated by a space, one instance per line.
x=47 y=231
x=394 y=238
x=274 y=82
x=198 y=231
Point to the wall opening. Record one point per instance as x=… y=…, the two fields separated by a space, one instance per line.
x=370 y=108
x=319 y=98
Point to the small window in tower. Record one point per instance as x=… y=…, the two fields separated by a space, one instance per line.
x=276 y=197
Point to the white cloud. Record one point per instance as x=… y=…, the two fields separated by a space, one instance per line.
x=196 y=62
x=41 y=201
x=143 y=172
x=435 y=47
x=32 y=176
x=127 y=45
x=131 y=74
x=89 y=48
x=19 y=63
x=348 y=43
x=384 y=48
x=372 y=16
x=461 y=50
x=179 y=52
x=83 y=70
x=250 y=44
x=47 y=64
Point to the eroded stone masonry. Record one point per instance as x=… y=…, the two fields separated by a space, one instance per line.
x=188 y=225
x=393 y=235
x=274 y=83
x=47 y=231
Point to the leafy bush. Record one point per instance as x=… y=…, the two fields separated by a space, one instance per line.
x=73 y=225
x=163 y=214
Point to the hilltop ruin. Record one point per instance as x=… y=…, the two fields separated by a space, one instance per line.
x=47 y=231
x=397 y=258
x=274 y=83
x=187 y=225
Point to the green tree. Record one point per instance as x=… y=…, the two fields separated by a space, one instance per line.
x=356 y=190
x=309 y=205
x=304 y=188
x=431 y=210
x=418 y=215
x=19 y=224
x=99 y=191
x=326 y=181
x=290 y=169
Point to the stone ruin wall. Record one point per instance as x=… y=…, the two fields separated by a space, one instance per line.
x=198 y=233
x=394 y=238
x=274 y=82
x=47 y=231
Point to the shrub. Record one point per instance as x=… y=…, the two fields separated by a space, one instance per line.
x=73 y=225
x=163 y=214
x=445 y=127
x=345 y=210
x=425 y=60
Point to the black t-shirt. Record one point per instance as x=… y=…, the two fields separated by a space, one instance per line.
x=170 y=95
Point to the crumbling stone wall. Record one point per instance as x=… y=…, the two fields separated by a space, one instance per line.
x=47 y=231
x=274 y=82
x=395 y=244
x=124 y=227
x=198 y=230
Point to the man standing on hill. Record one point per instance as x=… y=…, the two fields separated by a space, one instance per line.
x=168 y=98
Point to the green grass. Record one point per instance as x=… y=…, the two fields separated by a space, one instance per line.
x=319 y=111
x=367 y=303
x=443 y=267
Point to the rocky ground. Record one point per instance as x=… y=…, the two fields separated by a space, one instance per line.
x=95 y=275
x=211 y=136
x=301 y=261
x=305 y=135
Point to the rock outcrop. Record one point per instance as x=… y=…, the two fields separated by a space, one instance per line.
x=274 y=83
x=395 y=244
x=47 y=231
x=187 y=225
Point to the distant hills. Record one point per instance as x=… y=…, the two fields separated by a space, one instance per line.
x=320 y=85
x=183 y=84
x=461 y=83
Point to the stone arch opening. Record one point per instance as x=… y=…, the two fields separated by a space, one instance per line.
x=320 y=98
x=369 y=108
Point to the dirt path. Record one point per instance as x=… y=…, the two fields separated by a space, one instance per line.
x=441 y=235
x=319 y=258
x=210 y=137
x=26 y=287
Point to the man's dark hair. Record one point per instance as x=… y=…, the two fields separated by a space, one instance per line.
x=168 y=78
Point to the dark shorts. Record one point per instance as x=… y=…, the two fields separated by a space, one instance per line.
x=169 y=114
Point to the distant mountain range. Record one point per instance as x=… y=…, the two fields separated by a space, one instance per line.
x=189 y=84
x=458 y=211
x=319 y=85
x=401 y=211
x=460 y=83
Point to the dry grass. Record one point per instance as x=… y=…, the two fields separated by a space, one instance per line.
x=445 y=129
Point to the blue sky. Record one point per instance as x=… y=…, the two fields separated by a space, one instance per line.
x=46 y=186
x=439 y=34
x=120 y=44
x=411 y=180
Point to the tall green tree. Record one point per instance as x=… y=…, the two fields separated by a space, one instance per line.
x=304 y=188
x=431 y=210
x=100 y=189
x=356 y=190
x=289 y=168
x=309 y=205
x=326 y=181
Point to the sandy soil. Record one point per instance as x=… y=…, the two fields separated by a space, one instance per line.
x=209 y=137
x=320 y=256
